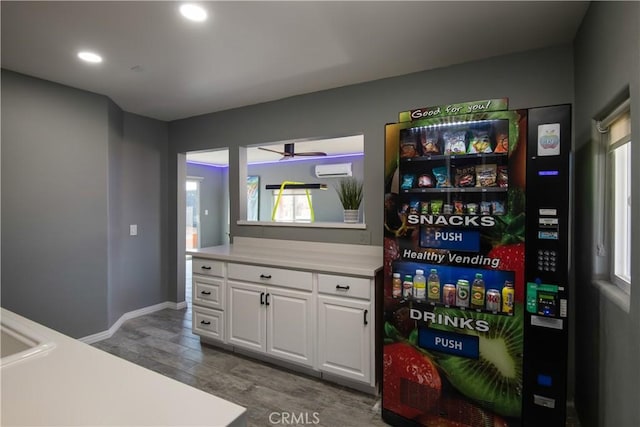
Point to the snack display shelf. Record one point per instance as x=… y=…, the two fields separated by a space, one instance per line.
x=457 y=307
x=452 y=157
x=457 y=190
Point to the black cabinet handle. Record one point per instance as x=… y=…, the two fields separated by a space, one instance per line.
x=205 y=267
x=341 y=287
x=261 y=298
x=265 y=276
x=365 y=317
x=205 y=292
x=205 y=322
x=267 y=299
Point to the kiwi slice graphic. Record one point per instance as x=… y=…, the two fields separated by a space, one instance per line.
x=494 y=380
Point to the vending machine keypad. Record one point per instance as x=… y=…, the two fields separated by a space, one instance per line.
x=547 y=260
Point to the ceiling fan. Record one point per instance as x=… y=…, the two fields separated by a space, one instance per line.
x=289 y=152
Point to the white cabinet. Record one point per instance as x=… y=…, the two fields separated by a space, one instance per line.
x=208 y=291
x=208 y=298
x=207 y=267
x=281 y=277
x=306 y=305
x=346 y=332
x=209 y=323
x=247 y=316
x=290 y=325
x=270 y=319
x=343 y=286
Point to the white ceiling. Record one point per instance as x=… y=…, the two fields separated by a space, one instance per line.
x=159 y=65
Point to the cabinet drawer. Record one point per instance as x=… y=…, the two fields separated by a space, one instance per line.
x=209 y=323
x=354 y=287
x=206 y=266
x=270 y=276
x=208 y=291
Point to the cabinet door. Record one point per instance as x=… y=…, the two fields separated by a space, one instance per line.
x=344 y=342
x=290 y=325
x=247 y=315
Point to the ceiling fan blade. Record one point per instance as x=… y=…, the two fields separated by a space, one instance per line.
x=289 y=152
x=311 y=153
x=273 y=151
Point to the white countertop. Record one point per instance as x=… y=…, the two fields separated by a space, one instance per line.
x=332 y=258
x=73 y=384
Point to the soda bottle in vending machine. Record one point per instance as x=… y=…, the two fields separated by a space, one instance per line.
x=507 y=297
x=477 y=292
x=449 y=294
x=396 y=286
x=407 y=287
x=493 y=300
x=462 y=293
x=433 y=283
x=419 y=285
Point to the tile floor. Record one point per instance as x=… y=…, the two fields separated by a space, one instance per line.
x=163 y=342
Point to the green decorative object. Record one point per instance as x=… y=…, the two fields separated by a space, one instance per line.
x=350 y=193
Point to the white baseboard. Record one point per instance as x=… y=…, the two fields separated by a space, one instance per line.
x=90 y=339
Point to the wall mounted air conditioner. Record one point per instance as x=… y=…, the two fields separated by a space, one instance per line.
x=333 y=170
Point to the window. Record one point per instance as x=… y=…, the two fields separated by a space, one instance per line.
x=295 y=160
x=294 y=206
x=616 y=149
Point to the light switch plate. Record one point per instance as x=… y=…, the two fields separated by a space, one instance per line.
x=133 y=230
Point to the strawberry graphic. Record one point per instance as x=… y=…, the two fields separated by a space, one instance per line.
x=507 y=240
x=512 y=259
x=411 y=384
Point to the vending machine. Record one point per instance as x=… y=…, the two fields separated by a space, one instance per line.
x=476 y=271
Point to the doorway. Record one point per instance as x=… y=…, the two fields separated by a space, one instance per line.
x=203 y=197
x=192 y=230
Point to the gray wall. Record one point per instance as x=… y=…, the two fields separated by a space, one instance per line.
x=69 y=191
x=54 y=204
x=526 y=78
x=607 y=61
x=365 y=108
x=137 y=195
x=326 y=204
x=214 y=198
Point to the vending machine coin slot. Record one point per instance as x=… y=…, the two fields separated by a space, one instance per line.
x=548 y=222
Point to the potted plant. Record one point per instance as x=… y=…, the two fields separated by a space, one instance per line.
x=350 y=194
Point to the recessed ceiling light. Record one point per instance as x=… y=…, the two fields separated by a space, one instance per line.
x=94 y=58
x=193 y=12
